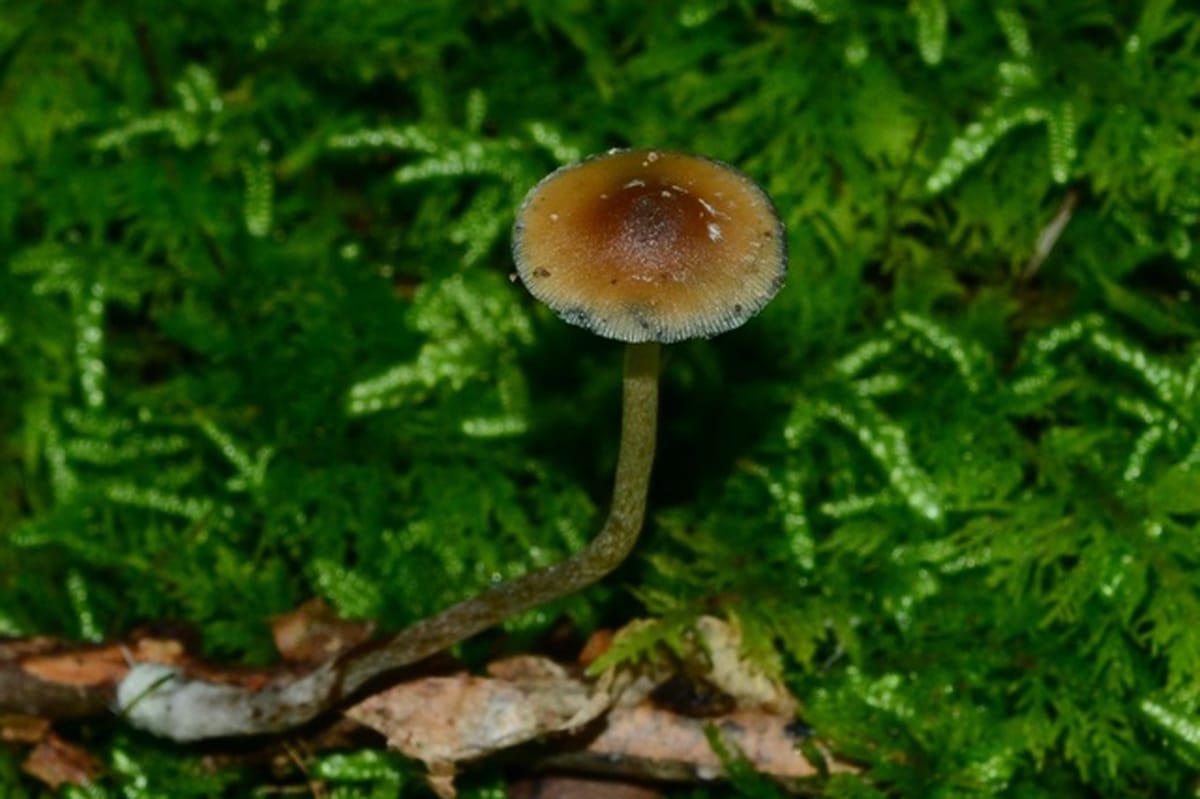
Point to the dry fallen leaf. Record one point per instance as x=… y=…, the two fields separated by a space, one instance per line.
x=463 y=717
x=445 y=720
x=597 y=644
x=313 y=632
x=650 y=741
x=713 y=656
x=750 y=686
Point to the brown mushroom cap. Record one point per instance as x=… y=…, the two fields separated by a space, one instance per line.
x=646 y=245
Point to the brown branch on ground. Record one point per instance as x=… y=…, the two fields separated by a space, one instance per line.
x=57 y=680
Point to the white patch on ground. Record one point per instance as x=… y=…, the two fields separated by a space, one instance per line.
x=160 y=700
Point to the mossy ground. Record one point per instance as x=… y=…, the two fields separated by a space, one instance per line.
x=258 y=343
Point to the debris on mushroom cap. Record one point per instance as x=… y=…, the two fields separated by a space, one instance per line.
x=648 y=245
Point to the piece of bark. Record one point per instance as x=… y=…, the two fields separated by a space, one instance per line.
x=20 y=729
x=100 y=665
x=25 y=693
x=56 y=763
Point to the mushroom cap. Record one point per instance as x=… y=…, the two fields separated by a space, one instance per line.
x=647 y=245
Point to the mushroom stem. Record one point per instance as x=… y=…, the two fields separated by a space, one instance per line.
x=639 y=426
x=639 y=421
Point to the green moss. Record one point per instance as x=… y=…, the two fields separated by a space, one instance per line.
x=257 y=343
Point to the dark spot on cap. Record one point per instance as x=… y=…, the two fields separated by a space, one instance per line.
x=578 y=316
x=798 y=729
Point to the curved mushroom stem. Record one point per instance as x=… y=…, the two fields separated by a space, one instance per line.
x=639 y=421
x=163 y=700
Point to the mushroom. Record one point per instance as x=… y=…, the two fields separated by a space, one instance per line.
x=642 y=246
x=646 y=247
